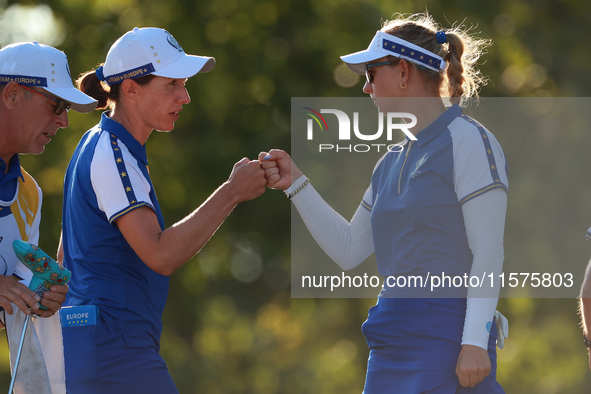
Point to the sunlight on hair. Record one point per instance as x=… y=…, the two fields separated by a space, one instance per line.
x=31 y=23
x=462 y=79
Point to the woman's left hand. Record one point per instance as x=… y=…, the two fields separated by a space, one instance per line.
x=473 y=365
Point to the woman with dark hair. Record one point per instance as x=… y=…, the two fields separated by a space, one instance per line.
x=436 y=205
x=114 y=239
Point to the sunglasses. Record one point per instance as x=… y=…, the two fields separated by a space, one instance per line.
x=60 y=105
x=369 y=66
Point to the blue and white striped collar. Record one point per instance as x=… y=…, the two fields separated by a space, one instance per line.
x=440 y=124
x=121 y=132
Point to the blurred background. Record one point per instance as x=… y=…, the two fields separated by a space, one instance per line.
x=230 y=325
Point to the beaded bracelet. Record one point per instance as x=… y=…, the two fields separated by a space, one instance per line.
x=299 y=189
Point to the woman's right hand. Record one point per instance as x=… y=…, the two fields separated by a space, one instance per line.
x=473 y=365
x=247 y=179
x=280 y=170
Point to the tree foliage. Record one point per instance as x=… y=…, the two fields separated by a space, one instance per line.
x=230 y=325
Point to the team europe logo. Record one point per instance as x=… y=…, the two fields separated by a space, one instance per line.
x=416 y=171
x=171 y=40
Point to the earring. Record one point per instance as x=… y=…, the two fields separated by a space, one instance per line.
x=403 y=87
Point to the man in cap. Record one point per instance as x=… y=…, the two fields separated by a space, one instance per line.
x=36 y=93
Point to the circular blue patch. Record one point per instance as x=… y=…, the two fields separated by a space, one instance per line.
x=488 y=326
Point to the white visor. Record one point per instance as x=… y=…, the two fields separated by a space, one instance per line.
x=384 y=44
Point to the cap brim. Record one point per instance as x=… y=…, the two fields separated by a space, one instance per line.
x=186 y=66
x=79 y=101
x=356 y=61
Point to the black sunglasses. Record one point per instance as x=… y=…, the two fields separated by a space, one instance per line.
x=368 y=66
x=369 y=74
x=60 y=105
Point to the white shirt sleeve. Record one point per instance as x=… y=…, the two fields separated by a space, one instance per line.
x=347 y=243
x=484 y=218
x=114 y=198
x=479 y=162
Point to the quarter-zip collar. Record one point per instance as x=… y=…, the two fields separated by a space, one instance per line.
x=121 y=132
x=440 y=124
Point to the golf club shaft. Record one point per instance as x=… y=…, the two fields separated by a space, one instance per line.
x=18 y=355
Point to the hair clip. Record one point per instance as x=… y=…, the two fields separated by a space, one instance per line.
x=99 y=74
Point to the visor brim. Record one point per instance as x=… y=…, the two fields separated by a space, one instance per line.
x=356 y=61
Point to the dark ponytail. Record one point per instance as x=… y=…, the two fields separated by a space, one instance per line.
x=106 y=95
x=89 y=83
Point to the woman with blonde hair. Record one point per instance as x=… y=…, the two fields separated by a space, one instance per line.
x=434 y=207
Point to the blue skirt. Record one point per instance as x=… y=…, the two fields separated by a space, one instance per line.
x=97 y=365
x=414 y=347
